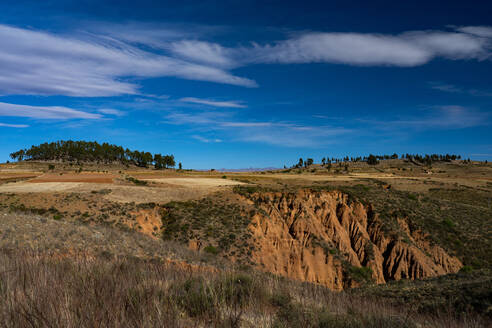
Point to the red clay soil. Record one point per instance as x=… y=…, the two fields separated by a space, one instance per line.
x=75 y=177
x=10 y=176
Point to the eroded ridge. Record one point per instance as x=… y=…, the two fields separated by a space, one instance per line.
x=328 y=238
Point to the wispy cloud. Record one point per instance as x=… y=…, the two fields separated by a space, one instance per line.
x=363 y=49
x=14 y=125
x=483 y=31
x=34 y=62
x=111 y=111
x=44 y=112
x=204 y=118
x=204 y=52
x=289 y=133
x=206 y=140
x=110 y=59
x=445 y=87
x=407 y=49
x=436 y=117
x=245 y=124
x=152 y=34
x=284 y=134
x=214 y=103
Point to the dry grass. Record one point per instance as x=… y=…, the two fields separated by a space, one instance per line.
x=41 y=291
x=51 y=235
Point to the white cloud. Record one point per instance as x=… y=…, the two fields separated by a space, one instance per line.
x=111 y=111
x=154 y=35
x=294 y=134
x=285 y=134
x=204 y=52
x=481 y=93
x=206 y=118
x=14 y=125
x=455 y=89
x=450 y=45
x=445 y=87
x=456 y=117
x=44 y=112
x=342 y=48
x=407 y=49
x=245 y=124
x=214 y=103
x=363 y=49
x=437 y=117
x=206 y=140
x=111 y=59
x=34 y=62
x=483 y=31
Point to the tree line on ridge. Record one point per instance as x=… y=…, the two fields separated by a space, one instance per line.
x=92 y=151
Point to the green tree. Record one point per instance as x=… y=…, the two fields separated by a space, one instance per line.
x=87 y=151
x=169 y=161
x=146 y=159
x=372 y=160
x=158 y=161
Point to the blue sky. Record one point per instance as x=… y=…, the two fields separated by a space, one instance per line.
x=249 y=83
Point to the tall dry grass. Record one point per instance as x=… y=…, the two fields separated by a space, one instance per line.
x=53 y=291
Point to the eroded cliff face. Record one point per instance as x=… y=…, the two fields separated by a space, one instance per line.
x=326 y=238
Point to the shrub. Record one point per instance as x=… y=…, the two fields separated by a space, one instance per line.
x=412 y=197
x=196 y=297
x=448 y=223
x=280 y=299
x=466 y=269
x=360 y=274
x=237 y=289
x=211 y=249
x=136 y=181
x=294 y=315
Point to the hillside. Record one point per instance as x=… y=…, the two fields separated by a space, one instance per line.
x=392 y=231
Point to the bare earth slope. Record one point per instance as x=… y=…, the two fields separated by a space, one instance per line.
x=325 y=237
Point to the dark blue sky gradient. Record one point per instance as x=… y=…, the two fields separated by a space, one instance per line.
x=440 y=106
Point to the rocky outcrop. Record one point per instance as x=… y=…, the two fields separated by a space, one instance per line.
x=330 y=239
